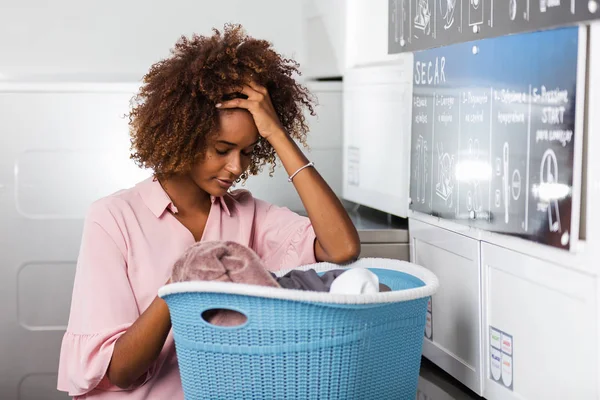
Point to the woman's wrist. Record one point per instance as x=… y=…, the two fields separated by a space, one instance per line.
x=286 y=148
x=288 y=152
x=278 y=138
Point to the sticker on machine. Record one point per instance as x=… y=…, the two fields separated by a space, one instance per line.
x=507 y=371
x=353 y=173
x=495 y=364
x=501 y=357
x=429 y=321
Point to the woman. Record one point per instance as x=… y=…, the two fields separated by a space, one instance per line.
x=216 y=111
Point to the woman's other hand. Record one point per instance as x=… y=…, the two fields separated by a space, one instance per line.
x=260 y=106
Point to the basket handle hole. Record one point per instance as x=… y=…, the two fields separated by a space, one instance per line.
x=224 y=317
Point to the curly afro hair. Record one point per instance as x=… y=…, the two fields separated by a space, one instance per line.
x=174 y=114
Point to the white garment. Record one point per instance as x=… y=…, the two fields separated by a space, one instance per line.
x=355 y=281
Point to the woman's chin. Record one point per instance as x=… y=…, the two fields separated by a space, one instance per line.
x=218 y=191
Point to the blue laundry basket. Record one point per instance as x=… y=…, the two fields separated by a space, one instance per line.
x=303 y=345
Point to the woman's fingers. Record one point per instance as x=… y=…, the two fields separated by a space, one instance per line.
x=253 y=92
x=236 y=103
x=258 y=88
x=257 y=96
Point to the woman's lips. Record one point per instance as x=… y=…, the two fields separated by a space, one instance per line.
x=225 y=184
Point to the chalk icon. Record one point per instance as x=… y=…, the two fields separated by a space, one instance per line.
x=512 y=9
x=564 y=239
x=516 y=185
x=548 y=178
x=474 y=149
x=445 y=183
x=469 y=201
x=474 y=198
x=396 y=16
x=421 y=169
x=423 y=16
x=399 y=15
x=447 y=8
x=405 y=19
x=497 y=198
x=545 y=4
x=505 y=182
x=474 y=202
x=477 y=205
x=476 y=12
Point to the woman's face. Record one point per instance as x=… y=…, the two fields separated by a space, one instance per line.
x=228 y=153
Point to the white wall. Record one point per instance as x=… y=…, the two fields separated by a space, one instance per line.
x=342 y=34
x=118 y=40
x=367 y=33
x=324 y=28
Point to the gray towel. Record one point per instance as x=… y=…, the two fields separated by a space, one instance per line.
x=308 y=280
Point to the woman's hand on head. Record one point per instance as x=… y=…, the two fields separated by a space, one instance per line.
x=260 y=106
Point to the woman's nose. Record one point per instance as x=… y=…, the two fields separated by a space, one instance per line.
x=234 y=166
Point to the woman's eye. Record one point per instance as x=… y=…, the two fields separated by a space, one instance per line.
x=221 y=152
x=247 y=153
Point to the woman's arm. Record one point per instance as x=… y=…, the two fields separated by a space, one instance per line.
x=106 y=336
x=140 y=346
x=337 y=238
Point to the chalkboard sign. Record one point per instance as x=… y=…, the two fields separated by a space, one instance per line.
x=493 y=133
x=422 y=24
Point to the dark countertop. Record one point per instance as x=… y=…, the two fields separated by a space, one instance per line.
x=377 y=227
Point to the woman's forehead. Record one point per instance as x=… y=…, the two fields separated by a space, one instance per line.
x=237 y=126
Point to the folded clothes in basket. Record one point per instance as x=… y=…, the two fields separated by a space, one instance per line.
x=223 y=262
x=233 y=262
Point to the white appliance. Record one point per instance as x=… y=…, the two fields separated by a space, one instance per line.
x=377 y=115
x=513 y=319
x=67 y=145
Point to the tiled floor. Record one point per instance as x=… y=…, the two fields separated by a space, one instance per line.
x=435 y=384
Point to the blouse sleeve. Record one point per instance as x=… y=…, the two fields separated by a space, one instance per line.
x=103 y=305
x=282 y=238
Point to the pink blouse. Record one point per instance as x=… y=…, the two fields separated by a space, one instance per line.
x=129 y=245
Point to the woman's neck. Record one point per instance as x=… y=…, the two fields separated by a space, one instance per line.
x=186 y=195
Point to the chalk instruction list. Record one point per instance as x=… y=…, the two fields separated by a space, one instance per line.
x=415 y=25
x=493 y=134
